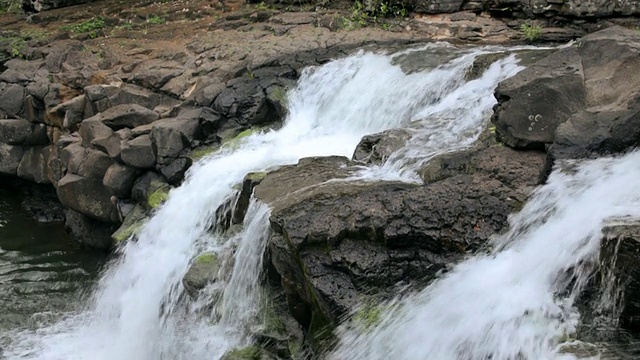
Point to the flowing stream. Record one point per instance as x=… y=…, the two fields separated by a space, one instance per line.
x=516 y=302
x=499 y=306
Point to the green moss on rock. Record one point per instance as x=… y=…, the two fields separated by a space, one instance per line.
x=158 y=197
x=256 y=176
x=202 y=151
x=132 y=224
x=368 y=316
x=207 y=258
x=245 y=353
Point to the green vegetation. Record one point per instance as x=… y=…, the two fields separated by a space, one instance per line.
x=256 y=176
x=158 y=197
x=202 y=151
x=207 y=258
x=91 y=26
x=16 y=42
x=531 y=32
x=124 y=233
x=9 y=6
x=363 y=16
x=246 y=353
x=262 y=6
x=156 y=20
x=368 y=316
x=235 y=141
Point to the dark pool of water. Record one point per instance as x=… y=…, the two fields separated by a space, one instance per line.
x=41 y=269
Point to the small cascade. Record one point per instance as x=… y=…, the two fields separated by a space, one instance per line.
x=518 y=301
x=138 y=311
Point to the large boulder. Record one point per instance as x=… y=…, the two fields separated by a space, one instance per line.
x=10 y=157
x=87 y=196
x=33 y=165
x=126 y=116
x=12 y=98
x=535 y=101
x=333 y=242
x=580 y=101
x=139 y=152
x=22 y=132
x=203 y=270
x=87 y=231
x=119 y=179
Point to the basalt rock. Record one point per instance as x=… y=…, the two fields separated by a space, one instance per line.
x=579 y=102
x=335 y=241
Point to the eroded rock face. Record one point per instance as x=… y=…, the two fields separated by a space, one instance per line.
x=582 y=100
x=335 y=241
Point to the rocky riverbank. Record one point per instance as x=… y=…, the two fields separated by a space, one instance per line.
x=110 y=105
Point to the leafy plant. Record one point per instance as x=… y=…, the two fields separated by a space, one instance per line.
x=362 y=15
x=9 y=6
x=91 y=26
x=531 y=32
x=156 y=20
x=18 y=41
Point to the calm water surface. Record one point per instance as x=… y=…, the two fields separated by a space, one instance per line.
x=42 y=273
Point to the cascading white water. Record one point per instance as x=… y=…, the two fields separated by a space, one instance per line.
x=516 y=302
x=136 y=312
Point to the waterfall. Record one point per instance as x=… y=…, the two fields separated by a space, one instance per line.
x=516 y=302
x=136 y=311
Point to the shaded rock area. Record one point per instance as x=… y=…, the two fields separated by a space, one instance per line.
x=334 y=242
x=579 y=102
x=620 y=252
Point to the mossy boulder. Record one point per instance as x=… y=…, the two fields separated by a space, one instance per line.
x=132 y=224
x=203 y=151
x=203 y=270
x=245 y=353
x=159 y=195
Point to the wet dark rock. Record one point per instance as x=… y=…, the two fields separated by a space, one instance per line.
x=581 y=101
x=534 y=102
x=620 y=251
x=131 y=224
x=175 y=170
x=203 y=270
x=334 y=241
x=376 y=148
